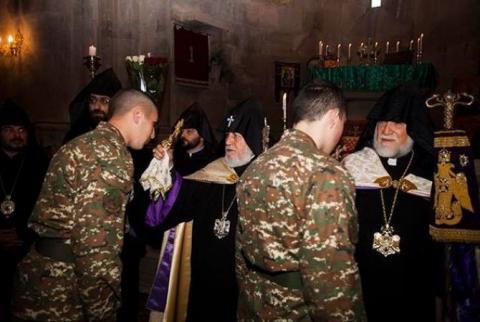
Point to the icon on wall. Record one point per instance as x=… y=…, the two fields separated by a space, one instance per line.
x=287 y=79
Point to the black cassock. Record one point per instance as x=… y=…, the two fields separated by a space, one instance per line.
x=402 y=286
x=213 y=287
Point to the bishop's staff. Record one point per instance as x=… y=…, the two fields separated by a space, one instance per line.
x=157 y=177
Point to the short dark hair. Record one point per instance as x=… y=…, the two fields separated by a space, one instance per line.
x=125 y=100
x=315 y=99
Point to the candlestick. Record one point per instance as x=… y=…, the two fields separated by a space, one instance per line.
x=419 y=49
x=92 y=63
x=397 y=47
x=284 y=108
x=339 y=46
x=349 y=57
x=92 y=51
x=387 y=48
x=320 y=49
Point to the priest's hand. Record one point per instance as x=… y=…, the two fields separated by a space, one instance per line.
x=159 y=152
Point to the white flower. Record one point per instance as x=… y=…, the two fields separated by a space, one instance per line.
x=135 y=59
x=128 y=58
x=141 y=58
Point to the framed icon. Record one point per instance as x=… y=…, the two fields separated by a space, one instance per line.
x=287 y=79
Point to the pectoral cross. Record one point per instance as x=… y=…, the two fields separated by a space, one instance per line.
x=230 y=120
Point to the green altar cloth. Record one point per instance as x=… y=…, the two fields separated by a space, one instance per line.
x=375 y=77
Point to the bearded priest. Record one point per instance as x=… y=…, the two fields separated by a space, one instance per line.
x=200 y=265
x=393 y=168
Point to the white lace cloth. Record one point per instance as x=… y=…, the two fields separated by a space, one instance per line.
x=157 y=178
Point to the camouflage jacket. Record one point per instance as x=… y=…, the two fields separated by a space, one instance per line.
x=82 y=203
x=297 y=225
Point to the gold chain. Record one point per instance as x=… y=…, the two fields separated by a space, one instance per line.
x=397 y=189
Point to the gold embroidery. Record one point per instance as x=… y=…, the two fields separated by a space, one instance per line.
x=387 y=182
x=454 y=235
x=451 y=141
x=451 y=192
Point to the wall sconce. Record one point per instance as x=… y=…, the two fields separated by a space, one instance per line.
x=12 y=46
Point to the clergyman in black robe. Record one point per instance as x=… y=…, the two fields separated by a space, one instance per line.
x=208 y=197
x=393 y=168
x=196 y=146
x=23 y=165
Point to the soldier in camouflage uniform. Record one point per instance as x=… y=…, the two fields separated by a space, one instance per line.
x=73 y=271
x=297 y=222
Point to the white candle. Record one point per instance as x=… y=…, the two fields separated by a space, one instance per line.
x=418 y=44
x=421 y=42
x=349 y=51
x=10 y=39
x=92 y=51
x=326 y=50
x=387 y=47
x=284 y=108
x=320 y=48
x=411 y=45
x=339 y=46
x=398 y=46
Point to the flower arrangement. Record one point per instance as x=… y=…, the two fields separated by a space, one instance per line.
x=148 y=74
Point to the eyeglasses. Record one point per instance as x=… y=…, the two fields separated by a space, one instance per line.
x=101 y=99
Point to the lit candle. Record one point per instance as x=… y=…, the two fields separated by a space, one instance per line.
x=397 y=47
x=284 y=108
x=387 y=47
x=339 y=46
x=92 y=51
x=418 y=44
x=421 y=42
x=320 y=48
x=10 y=39
x=376 y=46
x=349 y=51
x=411 y=45
x=326 y=50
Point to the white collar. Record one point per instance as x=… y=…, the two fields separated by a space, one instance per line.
x=365 y=167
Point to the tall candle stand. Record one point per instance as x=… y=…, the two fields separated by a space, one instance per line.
x=419 y=56
x=92 y=63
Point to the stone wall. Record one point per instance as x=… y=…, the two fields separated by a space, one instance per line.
x=252 y=34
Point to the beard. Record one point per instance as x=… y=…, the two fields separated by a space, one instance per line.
x=392 y=152
x=239 y=160
x=191 y=144
x=97 y=116
x=15 y=145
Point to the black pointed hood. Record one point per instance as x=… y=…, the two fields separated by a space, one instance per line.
x=404 y=104
x=247 y=118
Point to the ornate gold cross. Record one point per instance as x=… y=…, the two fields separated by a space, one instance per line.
x=448 y=100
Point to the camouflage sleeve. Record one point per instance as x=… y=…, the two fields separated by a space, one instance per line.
x=96 y=242
x=330 y=275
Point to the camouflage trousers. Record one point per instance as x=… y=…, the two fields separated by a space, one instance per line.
x=47 y=290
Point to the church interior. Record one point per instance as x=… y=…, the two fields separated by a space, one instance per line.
x=220 y=52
